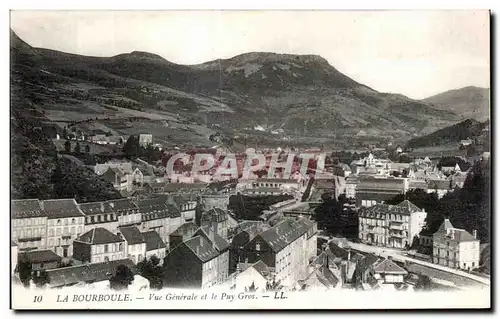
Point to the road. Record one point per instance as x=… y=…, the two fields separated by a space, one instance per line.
x=399 y=255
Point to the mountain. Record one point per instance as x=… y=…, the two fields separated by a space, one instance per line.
x=468 y=129
x=469 y=102
x=180 y=104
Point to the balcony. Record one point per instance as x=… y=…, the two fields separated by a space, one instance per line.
x=397 y=235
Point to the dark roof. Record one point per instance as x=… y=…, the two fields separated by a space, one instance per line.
x=380 y=210
x=261 y=268
x=26 y=208
x=438 y=184
x=39 y=256
x=381 y=183
x=132 y=235
x=98 y=236
x=61 y=208
x=175 y=187
x=96 y=208
x=337 y=251
x=201 y=247
x=285 y=233
x=153 y=240
x=389 y=267
x=122 y=204
x=215 y=214
x=86 y=273
x=186 y=229
x=219 y=243
x=368 y=261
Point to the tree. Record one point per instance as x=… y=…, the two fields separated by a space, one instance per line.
x=41 y=278
x=78 y=149
x=25 y=269
x=131 y=147
x=424 y=283
x=87 y=148
x=67 y=146
x=251 y=288
x=122 y=278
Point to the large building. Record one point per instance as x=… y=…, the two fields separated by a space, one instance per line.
x=99 y=214
x=199 y=262
x=29 y=224
x=286 y=247
x=65 y=223
x=375 y=190
x=99 y=245
x=455 y=247
x=135 y=244
x=391 y=225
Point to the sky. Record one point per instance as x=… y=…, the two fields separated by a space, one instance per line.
x=415 y=53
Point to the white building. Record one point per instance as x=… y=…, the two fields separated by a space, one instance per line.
x=391 y=225
x=135 y=245
x=455 y=247
x=98 y=245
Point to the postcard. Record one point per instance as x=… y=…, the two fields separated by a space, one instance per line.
x=250 y=160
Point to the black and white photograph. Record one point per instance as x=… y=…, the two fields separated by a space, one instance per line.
x=250 y=160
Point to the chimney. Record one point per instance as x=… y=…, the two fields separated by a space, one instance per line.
x=201 y=242
x=452 y=234
x=102 y=206
x=474 y=233
x=349 y=255
x=198 y=249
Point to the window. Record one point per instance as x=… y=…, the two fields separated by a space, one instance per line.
x=473 y=264
x=65 y=232
x=88 y=220
x=73 y=221
x=66 y=221
x=72 y=230
x=51 y=232
x=106 y=248
x=120 y=247
x=106 y=259
x=80 y=229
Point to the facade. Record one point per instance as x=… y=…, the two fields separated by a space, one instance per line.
x=118 y=178
x=387 y=272
x=99 y=214
x=351 y=183
x=376 y=190
x=99 y=245
x=455 y=247
x=135 y=244
x=194 y=264
x=126 y=210
x=391 y=225
x=439 y=186
x=286 y=247
x=28 y=224
x=145 y=139
x=157 y=216
x=41 y=259
x=256 y=275
x=154 y=245
x=65 y=223
x=217 y=219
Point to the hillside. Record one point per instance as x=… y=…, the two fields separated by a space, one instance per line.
x=469 y=102
x=453 y=134
x=182 y=105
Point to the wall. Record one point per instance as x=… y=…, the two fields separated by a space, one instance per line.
x=184 y=269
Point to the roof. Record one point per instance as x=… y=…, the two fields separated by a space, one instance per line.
x=276 y=180
x=12 y=243
x=415 y=183
x=263 y=189
x=261 y=268
x=380 y=210
x=459 y=235
x=201 y=248
x=62 y=208
x=219 y=243
x=215 y=214
x=39 y=256
x=86 y=273
x=389 y=267
x=26 y=208
x=122 y=204
x=132 y=235
x=175 y=187
x=368 y=261
x=438 y=183
x=153 y=240
x=381 y=183
x=99 y=236
x=285 y=233
x=95 y=208
x=186 y=229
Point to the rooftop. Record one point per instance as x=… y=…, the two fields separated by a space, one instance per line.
x=99 y=236
x=39 y=256
x=153 y=240
x=26 y=208
x=62 y=208
x=202 y=248
x=286 y=232
x=132 y=235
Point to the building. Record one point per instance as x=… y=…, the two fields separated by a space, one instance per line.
x=351 y=184
x=135 y=244
x=126 y=210
x=388 y=272
x=439 y=186
x=157 y=216
x=41 y=259
x=376 y=190
x=88 y=274
x=28 y=224
x=286 y=247
x=99 y=214
x=13 y=256
x=154 y=245
x=391 y=225
x=118 y=178
x=145 y=139
x=99 y=245
x=222 y=247
x=455 y=247
x=218 y=220
x=194 y=264
x=65 y=223
x=182 y=233
x=256 y=275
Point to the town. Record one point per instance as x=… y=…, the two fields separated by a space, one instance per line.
x=370 y=223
